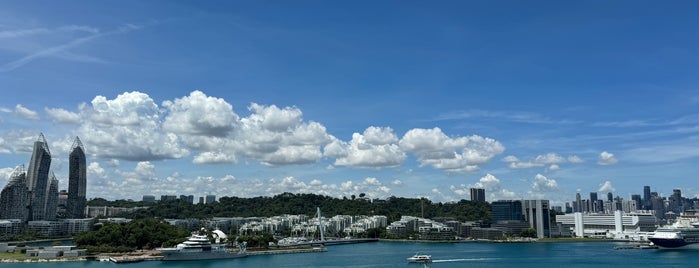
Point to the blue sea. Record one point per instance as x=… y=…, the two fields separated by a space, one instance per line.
x=394 y=254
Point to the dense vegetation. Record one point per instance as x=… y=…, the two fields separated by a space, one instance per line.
x=288 y=203
x=138 y=234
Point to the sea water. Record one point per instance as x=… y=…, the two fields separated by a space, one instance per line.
x=394 y=254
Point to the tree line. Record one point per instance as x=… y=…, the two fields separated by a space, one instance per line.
x=295 y=204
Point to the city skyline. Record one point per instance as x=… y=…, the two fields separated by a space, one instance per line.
x=392 y=98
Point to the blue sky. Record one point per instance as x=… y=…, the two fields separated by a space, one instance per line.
x=535 y=99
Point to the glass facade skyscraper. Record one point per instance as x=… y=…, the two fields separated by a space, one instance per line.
x=77 y=181
x=38 y=179
x=14 y=198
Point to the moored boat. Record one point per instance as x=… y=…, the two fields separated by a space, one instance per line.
x=198 y=247
x=684 y=233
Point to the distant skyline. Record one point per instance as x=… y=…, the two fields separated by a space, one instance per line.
x=528 y=100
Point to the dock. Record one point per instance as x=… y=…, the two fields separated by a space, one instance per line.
x=287 y=251
x=637 y=246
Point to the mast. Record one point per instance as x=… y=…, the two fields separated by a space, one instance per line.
x=320 y=225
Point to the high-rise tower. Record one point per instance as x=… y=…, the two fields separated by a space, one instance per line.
x=14 y=198
x=52 y=199
x=77 y=181
x=647 y=205
x=38 y=179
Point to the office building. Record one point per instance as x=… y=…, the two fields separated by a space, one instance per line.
x=38 y=179
x=637 y=199
x=578 y=203
x=646 y=198
x=187 y=198
x=537 y=214
x=148 y=199
x=210 y=199
x=477 y=194
x=77 y=181
x=593 y=202
x=507 y=210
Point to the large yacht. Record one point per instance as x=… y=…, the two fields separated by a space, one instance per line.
x=684 y=233
x=199 y=247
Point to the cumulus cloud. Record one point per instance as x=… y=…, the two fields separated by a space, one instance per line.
x=461 y=154
x=542 y=187
x=198 y=114
x=606 y=158
x=62 y=116
x=606 y=187
x=26 y=113
x=128 y=127
x=543 y=184
x=375 y=148
x=278 y=136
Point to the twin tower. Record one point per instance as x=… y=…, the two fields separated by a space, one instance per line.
x=32 y=195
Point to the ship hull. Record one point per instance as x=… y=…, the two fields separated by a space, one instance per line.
x=196 y=256
x=674 y=243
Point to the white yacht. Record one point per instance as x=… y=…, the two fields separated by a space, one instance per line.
x=198 y=247
x=420 y=258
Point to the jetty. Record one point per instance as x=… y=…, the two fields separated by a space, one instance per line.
x=286 y=251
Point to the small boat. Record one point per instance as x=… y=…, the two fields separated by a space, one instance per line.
x=420 y=258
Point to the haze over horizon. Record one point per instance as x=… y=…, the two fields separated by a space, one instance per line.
x=529 y=100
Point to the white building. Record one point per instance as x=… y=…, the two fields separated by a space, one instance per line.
x=620 y=225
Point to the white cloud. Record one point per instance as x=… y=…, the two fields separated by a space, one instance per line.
x=543 y=187
x=516 y=165
x=462 y=154
x=198 y=114
x=213 y=158
x=575 y=159
x=606 y=187
x=510 y=158
x=59 y=115
x=4 y=147
x=553 y=167
x=543 y=184
x=26 y=113
x=397 y=182
x=606 y=158
x=550 y=158
x=372 y=181
x=380 y=135
x=277 y=136
x=128 y=127
x=372 y=149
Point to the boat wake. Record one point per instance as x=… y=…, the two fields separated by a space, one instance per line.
x=465 y=260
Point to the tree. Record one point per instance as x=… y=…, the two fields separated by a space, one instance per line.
x=529 y=232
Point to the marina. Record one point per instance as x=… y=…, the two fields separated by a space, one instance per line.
x=385 y=254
